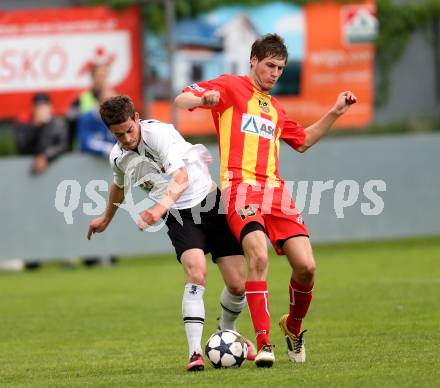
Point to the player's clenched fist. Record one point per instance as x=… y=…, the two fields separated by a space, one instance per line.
x=146 y=218
x=343 y=102
x=210 y=98
x=151 y=216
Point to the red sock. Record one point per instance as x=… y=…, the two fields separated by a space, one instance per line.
x=300 y=298
x=258 y=302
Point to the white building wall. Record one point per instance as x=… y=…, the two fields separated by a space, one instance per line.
x=238 y=36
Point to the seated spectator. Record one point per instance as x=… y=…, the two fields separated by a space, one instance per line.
x=43 y=135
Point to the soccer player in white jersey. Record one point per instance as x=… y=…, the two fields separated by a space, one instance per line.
x=175 y=175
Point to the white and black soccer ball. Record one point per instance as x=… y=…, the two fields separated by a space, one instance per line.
x=226 y=348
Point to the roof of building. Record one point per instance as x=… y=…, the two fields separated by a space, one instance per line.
x=198 y=33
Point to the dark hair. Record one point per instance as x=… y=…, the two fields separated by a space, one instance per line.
x=269 y=46
x=40 y=98
x=117 y=110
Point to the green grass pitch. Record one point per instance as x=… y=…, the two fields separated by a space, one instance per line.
x=374 y=322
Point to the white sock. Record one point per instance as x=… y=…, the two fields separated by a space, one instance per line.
x=231 y=308
x=193 y=311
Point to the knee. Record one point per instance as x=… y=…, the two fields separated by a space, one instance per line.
x=306 y=272
x=196 y=275
x=237 y=288
x=238 y=284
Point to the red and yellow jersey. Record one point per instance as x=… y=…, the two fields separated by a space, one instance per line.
x=249 y=126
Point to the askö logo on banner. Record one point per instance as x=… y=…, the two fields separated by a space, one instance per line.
x=56 y=61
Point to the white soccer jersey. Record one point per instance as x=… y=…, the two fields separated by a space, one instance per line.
x=162 y=151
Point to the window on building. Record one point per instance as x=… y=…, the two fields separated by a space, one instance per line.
x=196 y=72
x=289 y=82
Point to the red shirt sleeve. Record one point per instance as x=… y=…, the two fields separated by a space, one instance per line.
x=293 y=134
x=219 y=84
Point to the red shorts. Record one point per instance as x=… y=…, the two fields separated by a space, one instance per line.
x=273 y=208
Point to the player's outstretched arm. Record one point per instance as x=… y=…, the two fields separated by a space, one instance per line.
x=187 y=100
x=178 y=184
x=115 y=197
x=320 y=128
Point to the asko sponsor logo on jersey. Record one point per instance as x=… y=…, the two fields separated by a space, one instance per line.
x=258 y=126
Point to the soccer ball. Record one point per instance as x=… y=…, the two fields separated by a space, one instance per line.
x=226 y=348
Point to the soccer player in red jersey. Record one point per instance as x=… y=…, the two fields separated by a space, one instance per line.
x=250 y=124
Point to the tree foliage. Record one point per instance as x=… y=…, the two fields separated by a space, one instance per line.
x=397 y=22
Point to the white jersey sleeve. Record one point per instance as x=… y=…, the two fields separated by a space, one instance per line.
x=118 y=174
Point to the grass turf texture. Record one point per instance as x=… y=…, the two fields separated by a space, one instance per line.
x=374 y=322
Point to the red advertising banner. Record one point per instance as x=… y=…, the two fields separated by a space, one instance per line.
x=339 y=56
x=48 y=50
